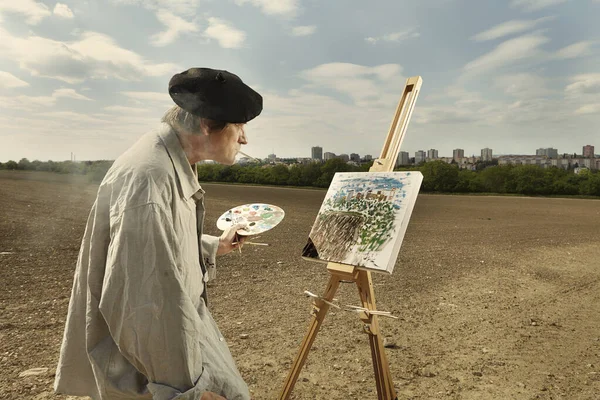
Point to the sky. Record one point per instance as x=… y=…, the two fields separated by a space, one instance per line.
x=91 y=77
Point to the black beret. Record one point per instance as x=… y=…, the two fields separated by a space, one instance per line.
x=215 y=94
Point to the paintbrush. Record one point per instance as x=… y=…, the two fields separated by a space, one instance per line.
x=246 y=155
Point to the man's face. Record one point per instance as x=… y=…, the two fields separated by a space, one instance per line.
x=225 y=145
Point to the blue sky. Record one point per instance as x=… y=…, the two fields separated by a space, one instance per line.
x=90 y=77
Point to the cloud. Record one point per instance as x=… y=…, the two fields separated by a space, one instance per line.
x=93 y=56
x=28 y=103
x=71 y=116
x=523 y=85
x=63 y=10
x=227 y=36
x=71 y=93
x=575 y=50
x=308 y=118
x=588 y=109
x=126 y=110
x=33 y=11
x=175 y=27
x=584 y=84
x=8 y=80
x=509 y=52
x=394 y=37
x=534 y=5
x=509 y=28
x=360 y=83
x=169 y=13
x=304 y=30
x=148 y=96
x=178 y=7
x=443 y=115
x=286 y=8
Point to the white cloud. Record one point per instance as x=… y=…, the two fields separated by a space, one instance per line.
x=287 y=8
x=584 y=84
x=32 y=10
x=63 y=10
x=178 y=7
x=509 y=52
x=575 y=50
x=359 y=82
x=148 y=96
x=93 y=55
x=304 y=30
x=175 y=27
x=394 y=37
x=227 y=36
x=71 y=116
x=588 y=109
x=126 y=110
x=28 y=103
x=523 y=85
x=307 y=117
x=8 y=80
x=509 y=28
x=534 y=5
x=71 y=93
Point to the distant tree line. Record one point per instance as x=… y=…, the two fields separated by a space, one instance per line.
x=95 y=170
x=438 y=176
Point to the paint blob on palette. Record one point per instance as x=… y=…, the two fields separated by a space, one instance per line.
x=258 y=217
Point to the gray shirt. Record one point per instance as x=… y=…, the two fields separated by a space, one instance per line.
x=138 y=326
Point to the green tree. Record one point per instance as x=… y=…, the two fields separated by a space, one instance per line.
x=24 y=164
x=493 y=179
x=329 y=169
x=467 y=182
x=439 y=176
x=589 y=183
x=11 y=165
x=295 y=175
x=529 y=180
x=278 y=175
x=309 y=174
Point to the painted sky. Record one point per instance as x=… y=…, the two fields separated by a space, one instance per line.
x=90 y=77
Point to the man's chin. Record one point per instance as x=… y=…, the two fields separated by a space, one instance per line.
x=227 y=162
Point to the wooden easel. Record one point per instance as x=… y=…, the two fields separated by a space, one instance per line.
x=362 y=278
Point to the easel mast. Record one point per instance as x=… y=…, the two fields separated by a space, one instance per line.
x=362 y=278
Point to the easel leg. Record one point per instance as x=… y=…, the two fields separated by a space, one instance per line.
x=383 y=376
x=319 y=312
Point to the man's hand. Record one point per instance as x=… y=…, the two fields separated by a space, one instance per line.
x=211 y=396
x=230 y=240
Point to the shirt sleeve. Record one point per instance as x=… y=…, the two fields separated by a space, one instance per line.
x=148 y=312
x=210 y=245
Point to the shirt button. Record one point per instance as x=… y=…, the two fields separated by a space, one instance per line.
x=221 y=339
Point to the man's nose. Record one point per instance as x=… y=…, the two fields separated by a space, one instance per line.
x=243 y=139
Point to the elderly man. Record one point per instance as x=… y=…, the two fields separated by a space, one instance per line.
x=138 y=326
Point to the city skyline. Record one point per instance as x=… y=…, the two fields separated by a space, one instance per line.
x=428 y=151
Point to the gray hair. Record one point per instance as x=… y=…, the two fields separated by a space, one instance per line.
x=183 y=121
x=188 y=123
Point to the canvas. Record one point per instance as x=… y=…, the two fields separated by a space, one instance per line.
x=363 y=219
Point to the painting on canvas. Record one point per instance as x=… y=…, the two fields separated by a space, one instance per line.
x=363 y=219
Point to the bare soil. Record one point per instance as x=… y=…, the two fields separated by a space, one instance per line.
x=497 y=297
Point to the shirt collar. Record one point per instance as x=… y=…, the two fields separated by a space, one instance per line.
x=187 y=176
